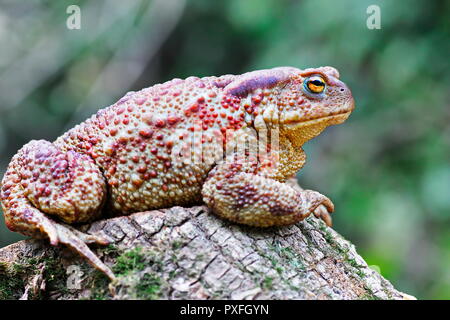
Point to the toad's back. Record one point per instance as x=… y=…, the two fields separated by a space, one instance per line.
x=149 y=145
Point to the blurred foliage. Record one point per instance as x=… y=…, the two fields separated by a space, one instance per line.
x=387 y=168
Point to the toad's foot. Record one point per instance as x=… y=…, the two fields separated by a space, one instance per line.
x=30 y=221
x=323 y=213
x=77 y=241
x=36 y=224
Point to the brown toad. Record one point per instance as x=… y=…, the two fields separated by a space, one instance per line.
x=231 y=141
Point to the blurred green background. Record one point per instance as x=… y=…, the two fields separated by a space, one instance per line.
x=387 y=169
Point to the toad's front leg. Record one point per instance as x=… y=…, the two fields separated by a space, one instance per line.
x=235 y=191
x=42 y=180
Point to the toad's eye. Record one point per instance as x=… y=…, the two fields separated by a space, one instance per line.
x=314 y=84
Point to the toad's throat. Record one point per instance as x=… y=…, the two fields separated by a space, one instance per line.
x=327 y=120
x=300 y=132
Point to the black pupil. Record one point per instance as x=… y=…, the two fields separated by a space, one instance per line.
x=317 y=83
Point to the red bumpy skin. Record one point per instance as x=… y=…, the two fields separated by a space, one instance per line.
x=178 y=143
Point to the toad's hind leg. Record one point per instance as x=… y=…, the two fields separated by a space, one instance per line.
x=42 y=181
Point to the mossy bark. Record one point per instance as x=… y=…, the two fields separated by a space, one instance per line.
x=189 y=253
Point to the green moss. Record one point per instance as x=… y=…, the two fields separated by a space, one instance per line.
x=293 y=259
x=111 y=250
x=177 y=245
x=3 y=267
x=99 y=285
x=267 y=283
x=173 y=274
x=272 y=260
x=11 y=284
x=341 y=250
x=133 y=260
x=55 y=275
x=369 y=295
x=330 y=239
x=137 y=262
x=149 y=287
x=353 y=263
x=20 y=268
x=53 y=272
x=360 y=273
x=12 y=280
x=200 y=257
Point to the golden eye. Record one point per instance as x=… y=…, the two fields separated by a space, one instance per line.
x=315 y=84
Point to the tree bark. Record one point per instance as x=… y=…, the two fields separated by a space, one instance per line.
x=189 y=253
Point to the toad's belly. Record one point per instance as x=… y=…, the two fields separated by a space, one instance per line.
x=181 y=186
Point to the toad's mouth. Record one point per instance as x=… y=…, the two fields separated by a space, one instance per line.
x=327 y=120
x=299 y=132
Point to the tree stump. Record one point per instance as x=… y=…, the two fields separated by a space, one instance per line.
x=189 y=253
